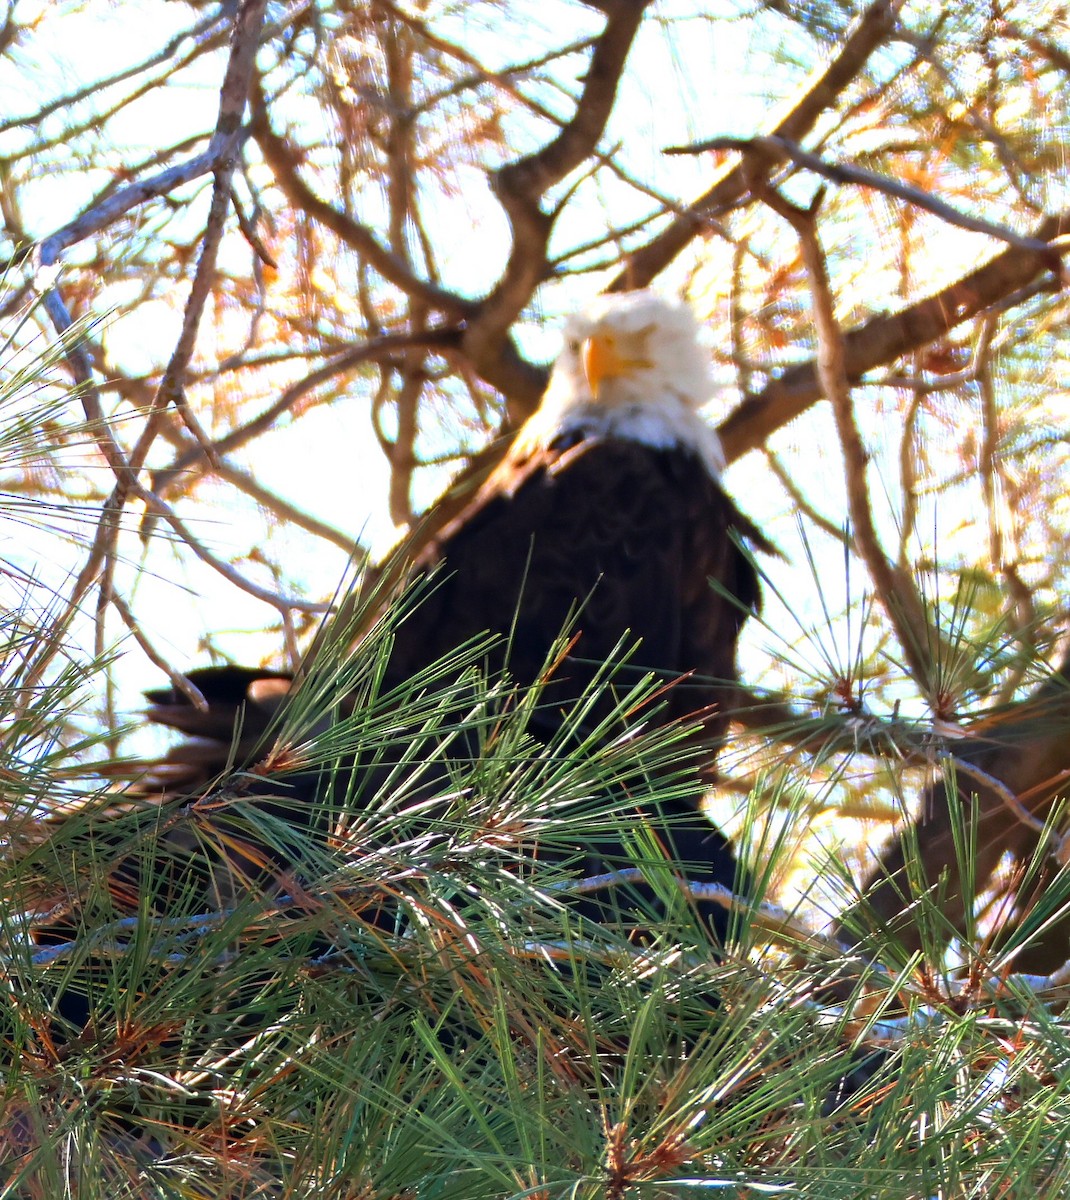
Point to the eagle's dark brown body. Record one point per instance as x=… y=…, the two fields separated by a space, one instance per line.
x=632 y=551
x=619 y=542
x=604 y=537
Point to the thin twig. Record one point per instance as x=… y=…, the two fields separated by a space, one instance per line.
x=1003 y=792
x=869 y=32
x=224 y=146
x=225 y=569
x=895 y=586
x=188 y=689
x=988 y=457
x=436 y=341
x=780 y=148
x=284 y=162
x=799 y=500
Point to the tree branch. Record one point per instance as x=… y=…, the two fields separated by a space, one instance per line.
x=1020 y=751
x=870 y=31
x=283 y=161
x=885 y=338
x=436 y=341
x=219 y=157
x=521 y=185
x=895 y=587
x=781 y=148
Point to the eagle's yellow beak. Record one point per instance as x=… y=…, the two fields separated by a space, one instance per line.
x=609 y=356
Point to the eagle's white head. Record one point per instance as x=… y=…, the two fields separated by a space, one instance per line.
x=632 y=366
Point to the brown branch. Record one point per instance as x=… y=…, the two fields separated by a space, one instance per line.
x=398 y=146
x=895 y=586
x=249 y=232
x=1020 y=750
x=991 y=474
x=224 y=150
x=534 y=175
x=219 y=157
x=869 y=32
x=521 y=185
x=1043 y=47
x=886 y=338
x=284 y=162
x=799 y=501
x=96 y=219
x=402 y=454
x=401 y=151
x=437 y=341
x=908 y=478
x=1009 y=799
x=521 y=382
x=172 y=391
x=228 y=572
x=781 y=148
x=274 y=503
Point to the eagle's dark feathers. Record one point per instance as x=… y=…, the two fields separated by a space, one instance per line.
x=606 y=519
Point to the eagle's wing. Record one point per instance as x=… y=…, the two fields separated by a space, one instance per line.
x=242 y=704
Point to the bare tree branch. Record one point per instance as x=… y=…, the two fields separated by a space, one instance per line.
x=220 y=157
x=521 y=185
x=870 y=31
x=284 y=162
x=438 y=341
x=224 y=150
x=885 y=338
x=895 y=587
x=781 y=148
x=188 y=689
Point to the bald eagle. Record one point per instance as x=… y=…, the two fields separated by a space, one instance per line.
x=607 y=513
x=606 y=519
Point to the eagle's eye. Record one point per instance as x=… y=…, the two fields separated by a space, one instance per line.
x=573 y=346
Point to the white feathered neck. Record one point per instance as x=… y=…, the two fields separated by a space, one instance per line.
x=656 y=403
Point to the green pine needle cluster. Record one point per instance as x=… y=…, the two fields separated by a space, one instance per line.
x=411 y=1005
